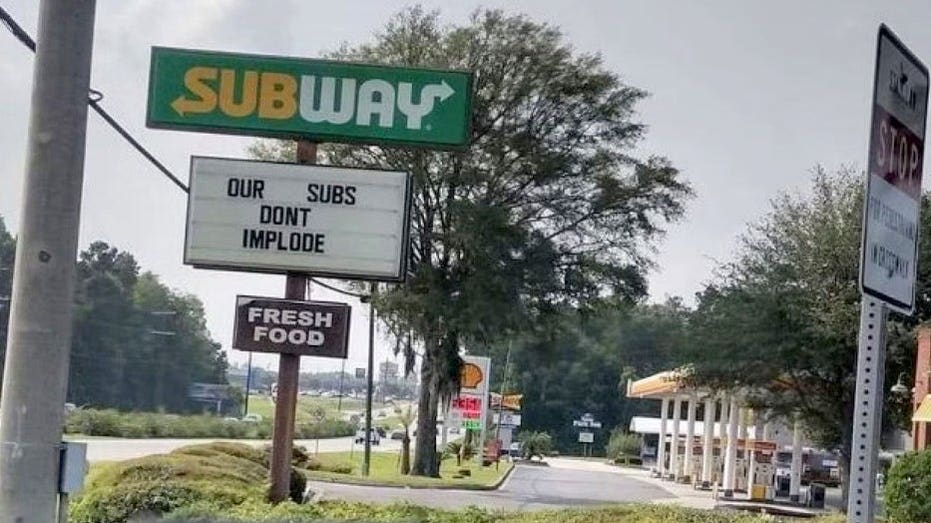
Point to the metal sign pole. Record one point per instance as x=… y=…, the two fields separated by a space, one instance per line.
x=289 y=367
x=889 y=248
x=367 y=455
x=867 y=419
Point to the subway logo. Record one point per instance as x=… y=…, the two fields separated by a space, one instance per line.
x=312 y=99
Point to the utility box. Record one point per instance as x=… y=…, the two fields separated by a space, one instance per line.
x=816 y=495
x=72 y=467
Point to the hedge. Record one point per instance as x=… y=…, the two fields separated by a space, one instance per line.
x=908 y=489
x=405 y=513
x=221 y=475
x=109 y=422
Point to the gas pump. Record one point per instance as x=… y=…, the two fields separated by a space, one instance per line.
x=696 y=465
x=740 y=470
x=717 y=469
x=764 y=477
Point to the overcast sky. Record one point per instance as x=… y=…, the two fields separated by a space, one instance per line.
x=746 y=98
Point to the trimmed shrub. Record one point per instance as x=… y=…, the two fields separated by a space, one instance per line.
x=109 y=422
x=534 y=443
x=622 y=443
x=400 y=512
x=908 y=489
x=218 y=475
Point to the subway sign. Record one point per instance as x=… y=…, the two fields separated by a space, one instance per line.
x=298 y=98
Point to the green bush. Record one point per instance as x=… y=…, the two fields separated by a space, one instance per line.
x=109 y=422
x=623 y=447
x=398 y=513
x=216 y=475
x=908 y=489
x=534 y=444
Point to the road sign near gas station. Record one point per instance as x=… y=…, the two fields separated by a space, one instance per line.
x=319 y=100
x=889 y=252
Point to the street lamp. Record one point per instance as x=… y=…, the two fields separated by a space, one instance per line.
x=900 y=388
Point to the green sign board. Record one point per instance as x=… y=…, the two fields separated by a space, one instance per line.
x=313 y=99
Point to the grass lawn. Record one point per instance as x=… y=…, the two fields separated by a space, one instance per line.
x=385 y=470
x=263 y=406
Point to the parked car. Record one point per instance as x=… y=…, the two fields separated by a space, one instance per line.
x=252 y=418
x=374 y=437
x=397 y=434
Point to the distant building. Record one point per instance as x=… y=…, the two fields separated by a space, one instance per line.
x=921 y=393
x=388 y=370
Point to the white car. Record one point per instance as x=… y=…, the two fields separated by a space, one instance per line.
x=374 y=437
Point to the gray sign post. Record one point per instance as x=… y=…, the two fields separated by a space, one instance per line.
x=889 y=251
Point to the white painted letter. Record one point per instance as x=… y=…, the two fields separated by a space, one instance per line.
x=326 y=111
x=368 y=106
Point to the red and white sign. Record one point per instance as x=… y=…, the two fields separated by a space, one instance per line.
x=471 y=404
x=889 y=251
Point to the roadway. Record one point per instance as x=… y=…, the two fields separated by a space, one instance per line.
x=561 y=483
x=116 y=449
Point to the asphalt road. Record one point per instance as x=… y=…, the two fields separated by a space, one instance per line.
x=530 y=487
x=115 y=449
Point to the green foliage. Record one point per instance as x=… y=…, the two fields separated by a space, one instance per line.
x=7 y=258
x=120 y=354
x=582 y=361
x=549 y=205
x=110 y=422
x=782 y=318
x=535 y=444
x=454 y=448
x=908 y=489
x=623 y=445
x=221 y=474
x=400 y=512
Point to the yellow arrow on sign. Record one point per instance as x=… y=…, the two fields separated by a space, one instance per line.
x=195 y=80
x=182 y=105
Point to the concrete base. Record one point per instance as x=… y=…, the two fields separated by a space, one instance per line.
x=705 y=485
x=728 y=493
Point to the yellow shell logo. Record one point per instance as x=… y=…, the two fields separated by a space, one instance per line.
x=471 y=375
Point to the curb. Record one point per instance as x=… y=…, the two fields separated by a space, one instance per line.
x=365 y=483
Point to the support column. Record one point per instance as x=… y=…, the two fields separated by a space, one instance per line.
x=741 y=435
x=708 y=445
x=690 y=438
x=722 y=427
x=722 y=437
x=661 y=442
x=749 y=454
x=730 y=453
x=795 y=486
x=674 y=443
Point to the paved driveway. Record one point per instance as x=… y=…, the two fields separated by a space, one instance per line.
x=529 y=487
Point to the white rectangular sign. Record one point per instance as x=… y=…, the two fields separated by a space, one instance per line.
x=889 y=251
x=280 y=217
x=507 y=419
x=586 y=437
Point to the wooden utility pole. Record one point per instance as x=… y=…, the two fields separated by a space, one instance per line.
x=289 y=367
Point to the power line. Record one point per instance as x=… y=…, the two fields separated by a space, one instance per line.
x=93 y=99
